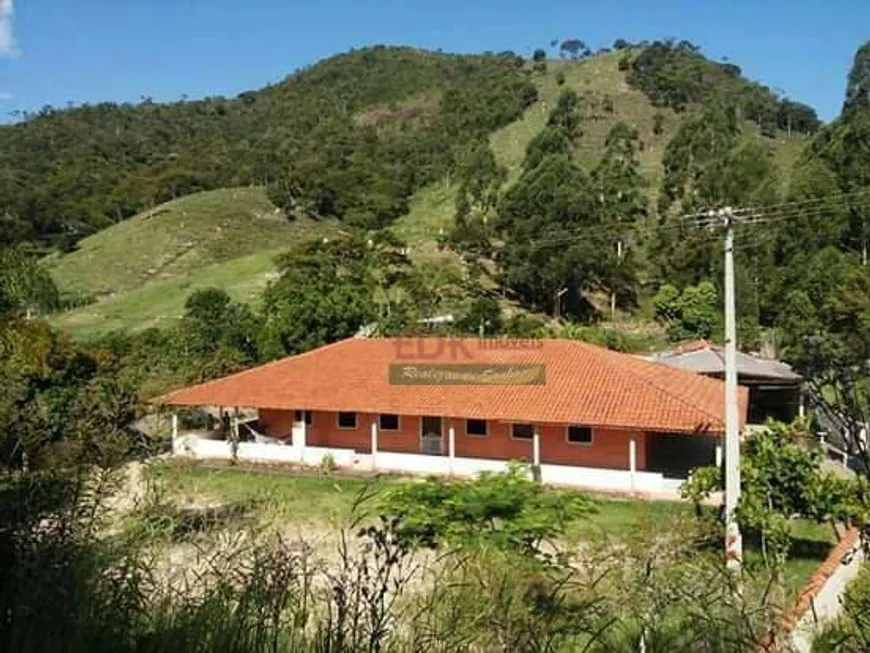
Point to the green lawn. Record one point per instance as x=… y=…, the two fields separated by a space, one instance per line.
x=312 y=496
x=323 y=500
x=301 y=498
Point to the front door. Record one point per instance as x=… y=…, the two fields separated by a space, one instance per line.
x=430 y=436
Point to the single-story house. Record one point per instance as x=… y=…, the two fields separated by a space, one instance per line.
x=775 y=389
x=582 y=415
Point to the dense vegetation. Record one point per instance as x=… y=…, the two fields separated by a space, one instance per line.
x=677 y=75
x=351 y=137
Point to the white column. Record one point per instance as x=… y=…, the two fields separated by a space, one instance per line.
x=234 y=433
x=299 y=435
x=718 y=455
x=632 y=461
x=176 y=445
x=451 y=446
x=536 y=447
x=374 y=442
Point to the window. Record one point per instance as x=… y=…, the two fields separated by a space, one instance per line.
x=522 y=431
x=476 y=428
x=579 y=434
x=347 y=420
x=389 y=422
x=297 y=416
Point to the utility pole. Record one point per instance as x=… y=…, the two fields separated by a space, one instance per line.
x=612 y=292
x=733 y=539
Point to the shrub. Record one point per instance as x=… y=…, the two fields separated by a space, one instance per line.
x=507 y=510
x=328 y=464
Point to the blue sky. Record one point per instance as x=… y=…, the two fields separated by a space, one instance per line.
x=59 y=51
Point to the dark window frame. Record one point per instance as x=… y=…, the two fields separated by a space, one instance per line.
x=485 y=433
x=580 y=443
x=381 y=426
x=524 y=438
x=338 y=417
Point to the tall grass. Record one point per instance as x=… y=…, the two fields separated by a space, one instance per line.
x=72 y=580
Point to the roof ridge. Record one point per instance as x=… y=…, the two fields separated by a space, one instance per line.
x=604 y=353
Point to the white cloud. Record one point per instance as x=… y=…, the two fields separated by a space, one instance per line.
x=8 y=47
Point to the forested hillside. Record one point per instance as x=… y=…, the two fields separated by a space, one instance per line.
x=352 y=137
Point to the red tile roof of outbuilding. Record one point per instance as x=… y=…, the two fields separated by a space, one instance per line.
x=585 y=384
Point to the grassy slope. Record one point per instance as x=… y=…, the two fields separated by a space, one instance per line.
x=596 y=79
x=173 y=239
x=160 y=303
x=143 y=269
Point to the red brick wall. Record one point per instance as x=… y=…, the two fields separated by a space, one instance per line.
x=497 y=444
x=405 y=440
x=277 y=423
x=324 y=432
x=608 y=450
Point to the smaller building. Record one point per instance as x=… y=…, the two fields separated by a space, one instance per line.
x=774 y=388
x=580 y=414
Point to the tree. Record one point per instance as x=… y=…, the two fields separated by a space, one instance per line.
x=826 y=341
x=538 y=218
x=539 y=55
x=218 y=336
x=708 y=167
x=328 y=289
x=692 y=313
x=782 y=481
x=622 y=200
x=482 y=316
x=25 y=287
x=480 y=178
x=575 y=48
x=858 y=87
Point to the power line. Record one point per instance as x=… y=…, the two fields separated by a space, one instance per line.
x=748 y=216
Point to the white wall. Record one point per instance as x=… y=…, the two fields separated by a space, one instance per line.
x=420 y=464
x=827 y=604
x=342 y=457
x=605 y=479
x=278 y=453
x=201 y=447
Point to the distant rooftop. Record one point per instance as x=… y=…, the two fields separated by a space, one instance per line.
x=704 y=358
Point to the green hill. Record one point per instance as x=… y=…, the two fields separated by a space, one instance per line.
x=372 y=138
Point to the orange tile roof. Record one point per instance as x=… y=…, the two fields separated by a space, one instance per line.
x=585 y=384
